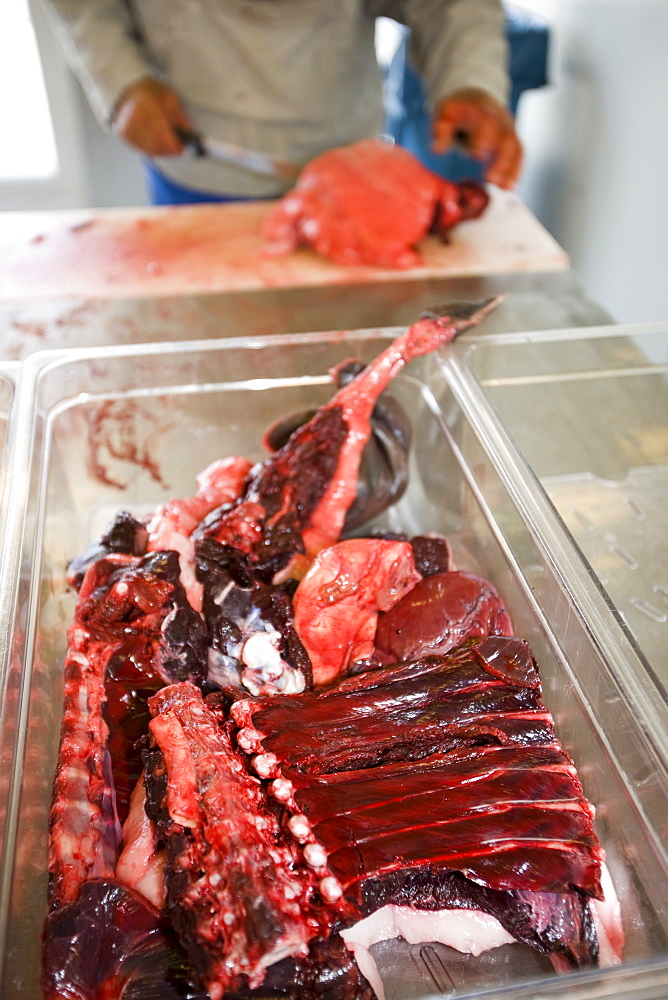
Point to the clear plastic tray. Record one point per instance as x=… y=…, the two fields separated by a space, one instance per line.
x=9 y=376
x=9 y=373
x=9 y=380
x=171 y=409
x=587 y=411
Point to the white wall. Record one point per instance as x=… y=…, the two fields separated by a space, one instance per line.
x=597 y=148
x=115 y=175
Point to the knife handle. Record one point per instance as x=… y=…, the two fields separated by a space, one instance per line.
x=190 y=138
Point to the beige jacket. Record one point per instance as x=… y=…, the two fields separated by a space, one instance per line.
x=288 y=77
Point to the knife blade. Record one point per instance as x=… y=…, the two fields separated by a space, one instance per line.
x=259 y=163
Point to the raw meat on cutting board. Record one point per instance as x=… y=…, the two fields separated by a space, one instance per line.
x=369 y=203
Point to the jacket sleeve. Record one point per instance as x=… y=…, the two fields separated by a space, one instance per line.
x=101 y=47
x=454 y=44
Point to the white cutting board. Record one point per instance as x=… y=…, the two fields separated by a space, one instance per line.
x=132 y=252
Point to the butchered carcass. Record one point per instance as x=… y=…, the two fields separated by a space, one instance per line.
x=133 y=632
x=125 y=536
x=236 y=892
x=440 y=785
x=253 y=645
x=295 y=502
x=172 y=524
x=383 y=471
x=269 y=839
x=109 y=943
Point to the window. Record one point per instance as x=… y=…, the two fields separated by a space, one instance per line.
x=28 y=147
x=42 y=155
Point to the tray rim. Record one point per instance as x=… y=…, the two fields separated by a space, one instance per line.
x=602 y=983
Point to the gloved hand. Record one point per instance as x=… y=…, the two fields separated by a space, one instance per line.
x=147 y=116
x=485 y=129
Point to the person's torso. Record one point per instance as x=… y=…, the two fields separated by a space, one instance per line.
x=289 y=77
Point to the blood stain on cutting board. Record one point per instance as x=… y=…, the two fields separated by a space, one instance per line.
x=188 y=248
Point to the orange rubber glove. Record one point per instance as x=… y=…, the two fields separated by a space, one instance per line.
x=147 y=115
x=485 y=128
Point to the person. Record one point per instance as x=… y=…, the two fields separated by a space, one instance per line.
x=290 y=78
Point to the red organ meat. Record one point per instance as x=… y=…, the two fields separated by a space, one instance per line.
x=442 y=611
x=108 y=944
x=369 y=203
x=281 y=746
x=337 y=602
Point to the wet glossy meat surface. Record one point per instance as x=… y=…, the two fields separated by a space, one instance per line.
x=369 y=771
x=233 y=889
x=272 y=734
x=369 y=203
x=441 y=612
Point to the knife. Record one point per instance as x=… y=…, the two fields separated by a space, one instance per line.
x=259 y=163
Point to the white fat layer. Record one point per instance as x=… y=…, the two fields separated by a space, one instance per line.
x=261 y=655
x=152 y=884
x=607 y=917
x=468 y=931
x=265 y=670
